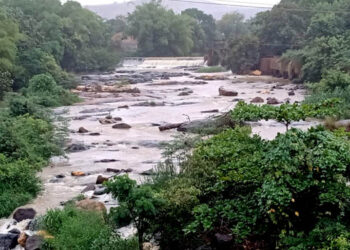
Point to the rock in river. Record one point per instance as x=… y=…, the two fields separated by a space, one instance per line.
x=8 y=241
x=75 y=147
x=82 y=130
x=272 y=101
x=24 y=214
x=34 y=242
x=257 y=100
x=226 y=92
x=101 y=179
x=91 y=205
x=121 y=126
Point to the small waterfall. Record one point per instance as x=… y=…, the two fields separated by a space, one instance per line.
x=163 y=62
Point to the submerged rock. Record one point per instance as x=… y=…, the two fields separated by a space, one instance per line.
x=24 y=214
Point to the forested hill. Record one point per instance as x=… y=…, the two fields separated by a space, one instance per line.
x=110 y=11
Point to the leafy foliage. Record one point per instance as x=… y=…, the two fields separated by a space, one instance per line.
x=160 y=32
x=285 y=113
x=137 y=203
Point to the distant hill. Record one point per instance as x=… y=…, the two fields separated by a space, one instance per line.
x=110 y=11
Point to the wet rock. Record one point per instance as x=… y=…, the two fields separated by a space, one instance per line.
x=8 y=241
x=210 y=111
x=100 y=191
x=184 y=103
x=155 y=124
x=22 y=239
x=121 y=126
x=223 y=240
x=55 y=180
x=89 y=187
x=123 y=107
x=91 y=205
x=237 y=99
x=14 y=231
x=82 y=130
x=113 y=170
x=150 y=144
x=148 y=172
x=94 y=134
x=106 y=161
x=225 y=92
x=272 y=101
x=257 y=100
x=185 y=93
x=169 y=126
x=129 y=170
x=96 y=110
x=80 y=118
x=24 y=214
x=78 y=173
x=60 y=176
x=34 y=242
x=291 y=93
x=135 y=148
x=101 y=179
x=76 y=147
x=149 y=104
x=110 y=120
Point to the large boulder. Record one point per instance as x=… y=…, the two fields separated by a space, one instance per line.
x=226 y=92
x=8 y=241
x=34 y=242
x=24 y=214
x=91 y=205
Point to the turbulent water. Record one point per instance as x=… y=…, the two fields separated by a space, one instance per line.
x=138 y=148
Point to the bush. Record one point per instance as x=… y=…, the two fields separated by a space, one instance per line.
x=334 y=84
x=18 y=184
x=28 y=138
x=293 y=187
x=44 y=91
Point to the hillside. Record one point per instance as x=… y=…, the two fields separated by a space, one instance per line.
x=110 y=11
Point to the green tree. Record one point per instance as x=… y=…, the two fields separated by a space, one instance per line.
x=242 y=54
x=232 y=25
x=137 y=203
x=5 y=83
x=160 y=32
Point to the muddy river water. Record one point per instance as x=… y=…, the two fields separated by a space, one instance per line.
x=138 y=149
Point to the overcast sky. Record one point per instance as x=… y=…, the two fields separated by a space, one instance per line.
x=250 y=2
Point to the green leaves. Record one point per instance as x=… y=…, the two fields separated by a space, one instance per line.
x=285 y=113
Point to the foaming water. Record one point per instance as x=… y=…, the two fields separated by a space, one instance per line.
x=162 y=62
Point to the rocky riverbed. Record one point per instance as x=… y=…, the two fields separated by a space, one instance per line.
x=116 y=128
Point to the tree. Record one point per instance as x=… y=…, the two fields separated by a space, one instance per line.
x=242 y=54
x=204 y=30
x=137 y=203
x=160 y=32
x=232 y=25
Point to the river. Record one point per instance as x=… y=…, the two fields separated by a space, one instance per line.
x=138 y=149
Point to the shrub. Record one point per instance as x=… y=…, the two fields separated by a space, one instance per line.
x=44 y=91
x=28 y=138
x=18 y=184
x=77 y=229
x=287 y=192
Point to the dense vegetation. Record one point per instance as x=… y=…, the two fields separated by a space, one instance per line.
x=46 y=37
